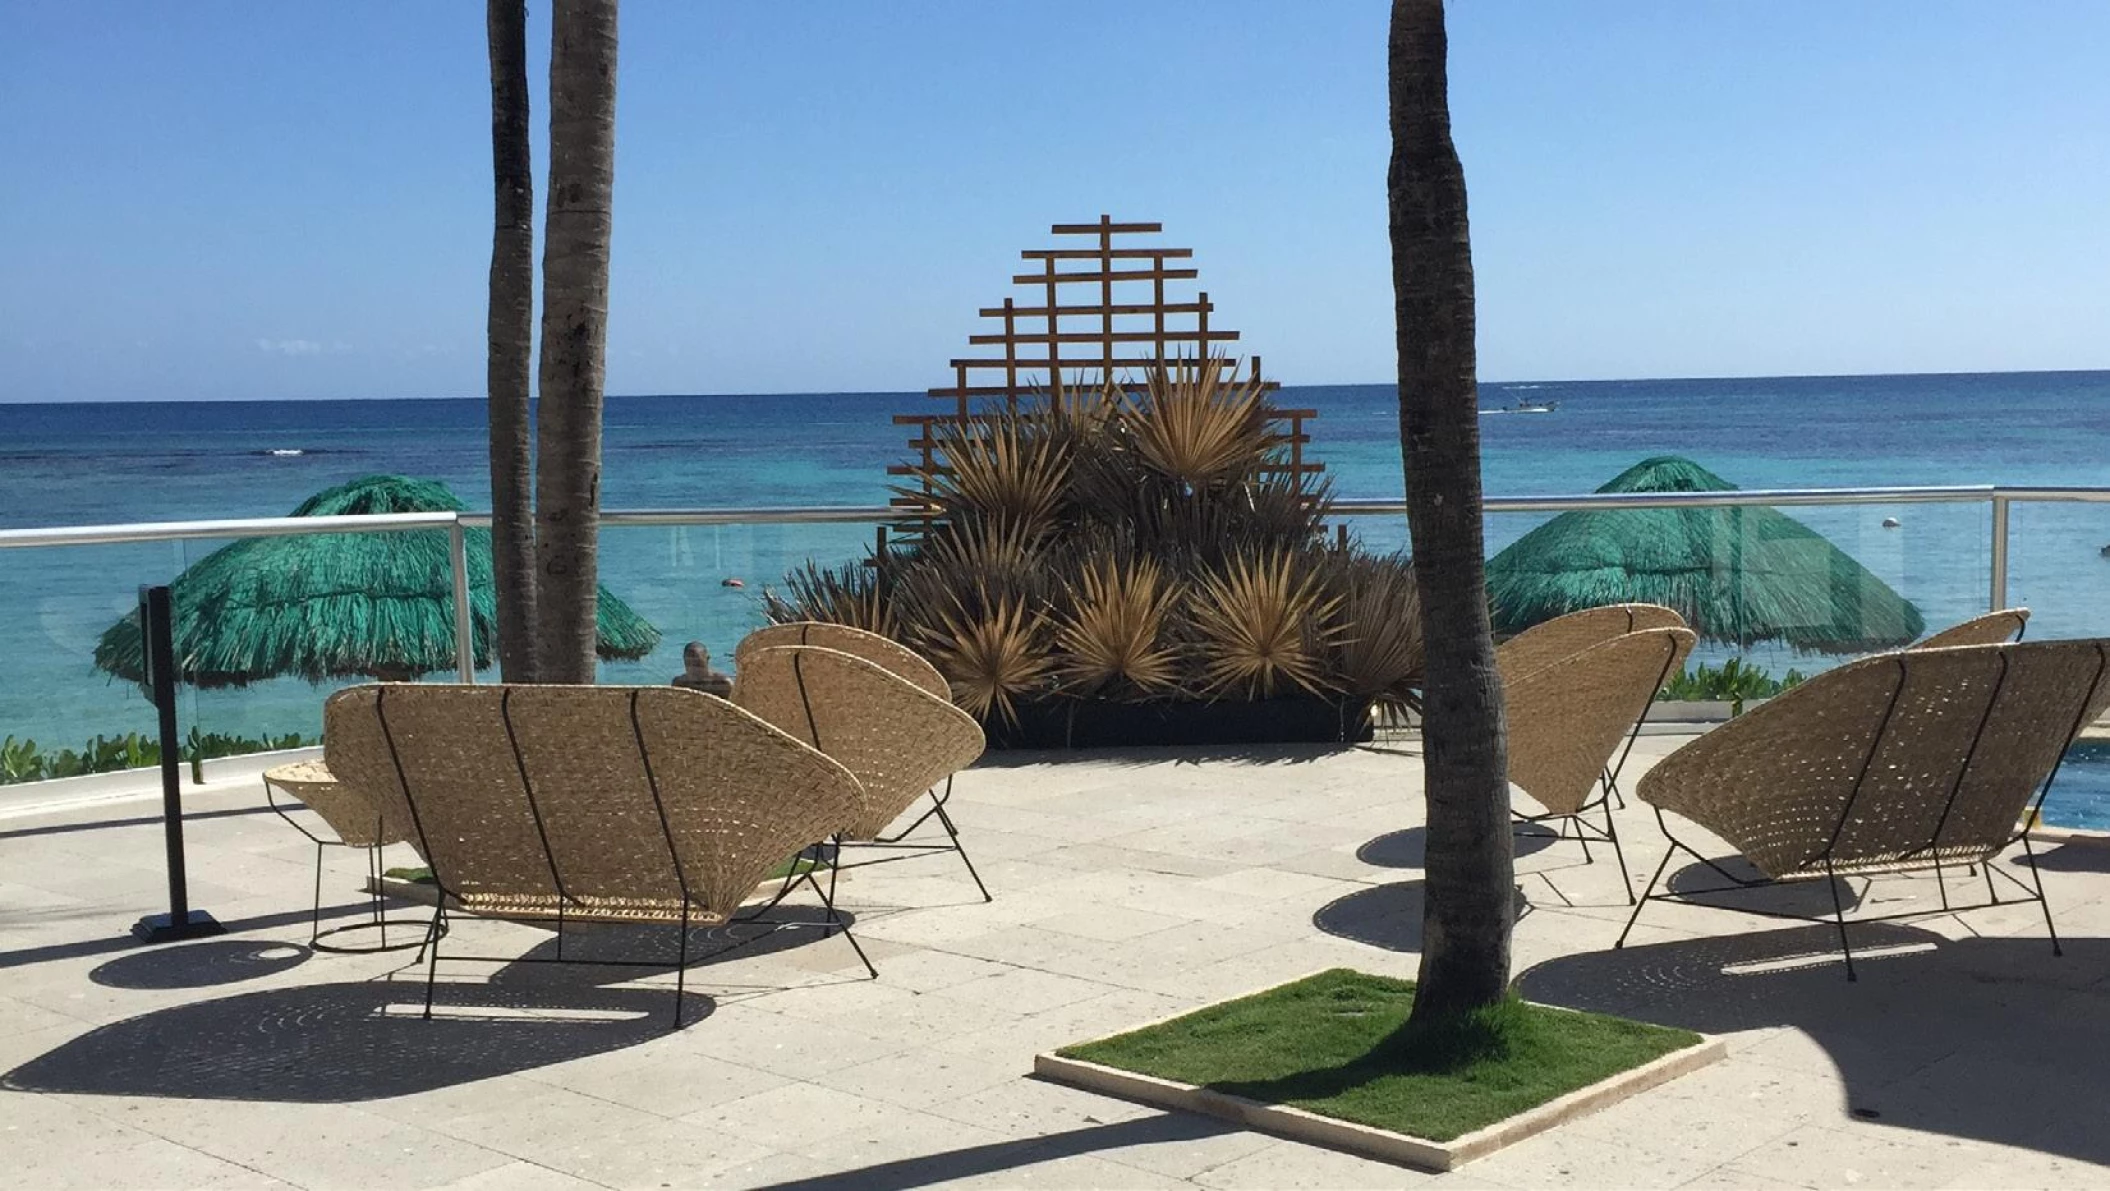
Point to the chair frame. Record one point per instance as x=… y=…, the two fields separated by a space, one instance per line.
x=1608 y=785
x=1639 y=617
x=931 y=682
x=437 y=930
x=377 y=913
x=2031 y=891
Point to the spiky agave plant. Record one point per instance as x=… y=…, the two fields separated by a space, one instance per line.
x=1198 y=424
x=1008 y=467
x=1264 y=623
x=852 y=594
x=1112 y=638
x=991 y=647
x=1377 y=652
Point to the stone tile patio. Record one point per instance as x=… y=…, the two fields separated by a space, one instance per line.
x=1127 y=887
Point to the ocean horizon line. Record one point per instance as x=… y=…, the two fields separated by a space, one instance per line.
x=1374 y=384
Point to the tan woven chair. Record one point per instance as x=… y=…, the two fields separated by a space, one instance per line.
x=884 y=652
x=900 y=740
x=1568 y=720
x=355 y=822
x=1994 y=628
x=1915 y=760
x=592 y=804
x=1551 y=640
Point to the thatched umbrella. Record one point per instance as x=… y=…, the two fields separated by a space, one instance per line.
x=1738 y=575
x=341 y=605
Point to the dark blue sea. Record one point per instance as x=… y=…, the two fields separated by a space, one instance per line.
x=82 y=464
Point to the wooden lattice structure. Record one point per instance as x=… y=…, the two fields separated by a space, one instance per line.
x=1088 y=322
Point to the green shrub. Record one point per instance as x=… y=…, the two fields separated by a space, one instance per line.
x=23 y=761
x=1734 y=683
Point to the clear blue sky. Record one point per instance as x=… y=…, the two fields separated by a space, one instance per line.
x=291 y=200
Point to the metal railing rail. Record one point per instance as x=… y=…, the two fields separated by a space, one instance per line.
x=1998 y=498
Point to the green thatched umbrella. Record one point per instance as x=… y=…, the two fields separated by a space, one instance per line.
x=341 y=605
x=1738 y=575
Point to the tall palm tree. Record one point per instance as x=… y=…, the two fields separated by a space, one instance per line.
x=574 y=335
x=511 y=335
x=1470 y=865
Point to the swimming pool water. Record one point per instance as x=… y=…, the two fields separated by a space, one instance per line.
x=2080 y=795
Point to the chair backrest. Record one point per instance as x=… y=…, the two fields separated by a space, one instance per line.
x=898 y=739
x=1994 y=628
x=1567 y=719
x=1551 y=640
x=1896 y=761
x=596 y=796
x=885 y=652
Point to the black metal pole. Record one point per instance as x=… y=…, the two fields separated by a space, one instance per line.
x=158 y=650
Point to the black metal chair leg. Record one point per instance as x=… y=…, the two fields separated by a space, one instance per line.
x=1645 y=892
x=1611 y=831
x=2037 y=876
x=681 y=967
x=946 y=819
x=1839 y=916
x=835 y=867
x=835 y=920
x=315 y=914
x=432 y=955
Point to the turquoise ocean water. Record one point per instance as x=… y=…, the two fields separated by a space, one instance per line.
x=78 y=464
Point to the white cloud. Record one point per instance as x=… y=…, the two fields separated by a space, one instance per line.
x=301 y=347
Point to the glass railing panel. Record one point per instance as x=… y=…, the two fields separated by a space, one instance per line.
x=1762 y=566
x=2058 y=566
x=57 y=601
x=707 y=582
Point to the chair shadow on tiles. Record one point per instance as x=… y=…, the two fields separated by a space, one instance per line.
x=368 y=1040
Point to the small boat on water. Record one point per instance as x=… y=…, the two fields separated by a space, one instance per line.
x=1525 y=407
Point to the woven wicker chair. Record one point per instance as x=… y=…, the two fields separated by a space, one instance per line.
x=1994 y=628
x=883 y=652
x=1551 y=640
x=1915 y=760
x=592 y=804
x=1569 y=718
x=356 y=823
x=900 y=740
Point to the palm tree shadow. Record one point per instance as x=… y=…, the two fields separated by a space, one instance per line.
x=1992 y=1039
x=1408 y=848
x=1387 y=916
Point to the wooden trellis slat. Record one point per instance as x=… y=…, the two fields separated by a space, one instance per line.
x=1176 y=330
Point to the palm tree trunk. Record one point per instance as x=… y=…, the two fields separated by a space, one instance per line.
x=574 y=335
x=1470 y=865
x=511 y=333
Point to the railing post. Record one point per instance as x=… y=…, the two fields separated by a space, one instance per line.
x=464 y=643
x=1998 y=596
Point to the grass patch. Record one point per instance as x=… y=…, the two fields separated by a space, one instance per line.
x=1335 y=1044
x=796 y=866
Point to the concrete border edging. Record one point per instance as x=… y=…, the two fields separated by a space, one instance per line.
x=1368 y=1141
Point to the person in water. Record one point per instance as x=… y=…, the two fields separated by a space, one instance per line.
x=697 y=675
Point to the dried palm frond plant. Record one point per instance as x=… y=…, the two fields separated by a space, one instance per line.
x=1137 y=541
x=1264 y=624
x=1112 y=639
x=1377 y=651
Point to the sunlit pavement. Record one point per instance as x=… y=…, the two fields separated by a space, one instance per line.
x=1127 y=887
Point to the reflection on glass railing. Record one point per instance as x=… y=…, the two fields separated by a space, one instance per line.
x=2058 y=566
x=1798 y=588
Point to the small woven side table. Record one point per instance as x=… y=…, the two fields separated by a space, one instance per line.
x=357 y=824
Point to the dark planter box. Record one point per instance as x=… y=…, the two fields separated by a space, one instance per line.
x=1098 y=723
